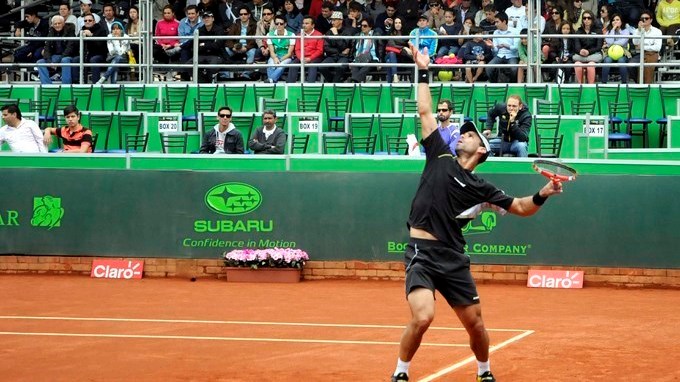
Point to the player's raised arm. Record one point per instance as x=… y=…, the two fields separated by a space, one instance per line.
x=427 y=120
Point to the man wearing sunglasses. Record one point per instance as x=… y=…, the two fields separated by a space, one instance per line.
x=223 y=138
x=651 y=48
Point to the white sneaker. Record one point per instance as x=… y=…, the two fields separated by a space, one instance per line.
x=101 y=80
x=395 y=79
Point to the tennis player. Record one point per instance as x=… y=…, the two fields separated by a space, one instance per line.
x=435 y=256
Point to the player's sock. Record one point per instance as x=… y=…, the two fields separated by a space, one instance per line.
x=402 y=367
x=483 y=367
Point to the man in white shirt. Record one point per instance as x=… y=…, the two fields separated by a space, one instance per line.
x=652 y=45
x=22 y=135
x=517 y=13
x=505 y=49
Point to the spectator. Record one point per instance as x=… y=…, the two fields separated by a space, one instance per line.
x=449 y=131
x=109 y=12
x=505 y=47
x=269 y=139
x=75 y=138
x=31 y=26
x=652 y=45
x=588 y=50
x=488 y=24
x=435 y=15
x=449 y=28
x=465 y=10
x=96 y=51
x=668 y=17
x=516 y=15
x=385 y=20
x=466 y=31
x=553 y=26
x=257 y=8
x=85 y=10
x=481 y=13
x=397 y=50
x=280 y=49
x=354 y=18
x=475 y=52
x=264 y=25
x=323 y=21
x=167 y=47
x=243 y=48
x=423 y=34
x=573 y=13
x=205 y=6
x=293 y=16
x=513 y=127
x=313 y=52
x=337 y=50
x=67 y=14
x=223 y=138
x=185 y=31
x=133 y=29
x=617 y=35
x=409 y=12
x=210 y=52
x=58 y=51
x=365 y=51
x=118 y=53
x=606 y=13
x=538 y=22
x=228 y=13
x=22 y=135
x=561 y=52
x=523 y=53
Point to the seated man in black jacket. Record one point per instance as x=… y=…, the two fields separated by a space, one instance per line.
x=513 y=127
x=210 y=52
x=337 y=50
x=223 y=138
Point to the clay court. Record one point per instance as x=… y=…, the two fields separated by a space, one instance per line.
x=66 y=328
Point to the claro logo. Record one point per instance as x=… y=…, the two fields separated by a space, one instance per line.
x=233 y=198
x=555 y=279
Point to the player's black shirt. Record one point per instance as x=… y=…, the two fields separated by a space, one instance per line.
x=446 y=190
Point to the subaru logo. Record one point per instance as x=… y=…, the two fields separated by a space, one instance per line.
x=233 y=198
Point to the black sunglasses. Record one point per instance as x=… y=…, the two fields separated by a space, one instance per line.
x=279 y=23
x=267 y=13
x=225 y=115
x=244 y=14
x=645 y=18
x=587 y=18
x=442 y=110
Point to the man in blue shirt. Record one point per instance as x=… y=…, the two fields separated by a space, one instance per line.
x=505 y=49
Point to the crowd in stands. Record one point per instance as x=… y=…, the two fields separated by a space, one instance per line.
x=263 y=32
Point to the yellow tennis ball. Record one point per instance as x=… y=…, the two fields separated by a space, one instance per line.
x=615 y=52
x=445 y=75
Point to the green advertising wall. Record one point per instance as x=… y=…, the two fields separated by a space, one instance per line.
x=600 y=220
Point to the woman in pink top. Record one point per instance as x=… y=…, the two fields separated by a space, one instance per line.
x=165 y=48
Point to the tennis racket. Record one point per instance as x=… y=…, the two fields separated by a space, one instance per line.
x=555 y=171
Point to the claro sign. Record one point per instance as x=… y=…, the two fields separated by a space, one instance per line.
x=555 y=279
x=117 y=269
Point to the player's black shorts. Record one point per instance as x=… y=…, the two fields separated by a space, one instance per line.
x=432 y=265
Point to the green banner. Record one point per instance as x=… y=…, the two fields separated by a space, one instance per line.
x=600 y=220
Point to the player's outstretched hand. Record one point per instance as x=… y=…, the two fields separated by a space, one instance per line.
x=552 y=188
x=422 y=60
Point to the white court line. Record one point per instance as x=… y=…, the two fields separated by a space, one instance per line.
x=154 y=320
x=201 y=338
x=470 y=359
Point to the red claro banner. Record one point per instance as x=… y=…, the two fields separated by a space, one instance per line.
x=117 y=269
x=555 y=279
